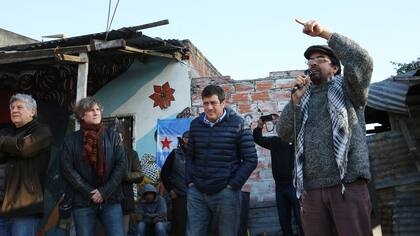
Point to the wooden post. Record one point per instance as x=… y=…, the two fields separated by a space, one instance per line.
x=82 y=79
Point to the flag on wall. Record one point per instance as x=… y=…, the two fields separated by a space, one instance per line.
x=168 y=131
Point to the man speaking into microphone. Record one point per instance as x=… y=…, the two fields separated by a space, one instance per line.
x=326 y=117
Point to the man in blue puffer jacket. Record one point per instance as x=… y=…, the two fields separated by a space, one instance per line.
x=221 y=155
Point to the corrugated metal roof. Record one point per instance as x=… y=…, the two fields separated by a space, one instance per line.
x=392 y=94
x=133 y=38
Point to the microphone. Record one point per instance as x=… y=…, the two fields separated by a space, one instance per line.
x=308 y=73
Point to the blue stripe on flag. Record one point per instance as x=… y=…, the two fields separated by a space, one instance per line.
x=168 y=131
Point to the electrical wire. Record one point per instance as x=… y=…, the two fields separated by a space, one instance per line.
x=112 y=19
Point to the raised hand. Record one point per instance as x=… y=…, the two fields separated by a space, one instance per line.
x=314 y=29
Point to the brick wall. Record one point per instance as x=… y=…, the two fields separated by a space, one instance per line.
x=247 y=98
x=199 y=62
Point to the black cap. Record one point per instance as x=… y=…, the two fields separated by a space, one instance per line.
x=327 y=51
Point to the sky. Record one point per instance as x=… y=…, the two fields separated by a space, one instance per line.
x=242 y=39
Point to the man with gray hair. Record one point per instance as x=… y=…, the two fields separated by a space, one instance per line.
x=24 y=152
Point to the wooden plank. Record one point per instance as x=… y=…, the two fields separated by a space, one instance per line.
x=147 y=52
x=411 y=143
x=82 y=79
x=149 y=25
x=13 y=57
x=69 y=58
x=102 y=45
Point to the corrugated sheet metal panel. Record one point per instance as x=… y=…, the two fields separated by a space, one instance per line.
x=388 y=95
x=392 y=94
x=397 y=179
x=390 y=160
x=133 y=38
x=400 y=210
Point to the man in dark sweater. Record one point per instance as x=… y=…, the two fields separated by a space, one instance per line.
x=332 y=163
x=221 y=156
x=282 y=163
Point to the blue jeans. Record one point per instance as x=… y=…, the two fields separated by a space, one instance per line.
x=286 y=203
x=159 y=228
x=18 y=226
x=4 y=226
x=110 y=215
x=223 y=207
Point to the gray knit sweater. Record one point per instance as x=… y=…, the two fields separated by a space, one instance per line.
x=320 y=168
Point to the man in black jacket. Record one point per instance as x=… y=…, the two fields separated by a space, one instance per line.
x=94 y=163
x=282 y=163
x=173 y=178
x=221 y=156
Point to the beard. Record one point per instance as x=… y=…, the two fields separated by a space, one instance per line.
x=318 y=77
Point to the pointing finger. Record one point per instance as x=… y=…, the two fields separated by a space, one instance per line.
x=300 y=21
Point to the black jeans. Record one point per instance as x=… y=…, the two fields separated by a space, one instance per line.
x=286 y=203
x=243 y=225
x=179 y=216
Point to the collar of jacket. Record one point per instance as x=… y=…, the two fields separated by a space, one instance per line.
x=28 y=125
x=227 y=113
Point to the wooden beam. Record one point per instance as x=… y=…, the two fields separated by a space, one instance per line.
x=69 y=58
x=149 y=52
x=13 y=57
x=411 y=142
x=149 y=25
x=101 y=45
x=82 y=77
x=82 y=81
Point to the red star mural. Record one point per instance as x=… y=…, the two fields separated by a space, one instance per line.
x=162 y=96
x=165 y=143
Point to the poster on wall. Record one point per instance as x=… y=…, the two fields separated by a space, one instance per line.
x=168 y=132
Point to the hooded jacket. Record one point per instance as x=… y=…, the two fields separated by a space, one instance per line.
x=152 y=212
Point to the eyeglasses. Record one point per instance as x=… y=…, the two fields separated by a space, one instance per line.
x=317 y=60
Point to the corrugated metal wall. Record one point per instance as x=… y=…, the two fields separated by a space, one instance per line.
x=397 y=177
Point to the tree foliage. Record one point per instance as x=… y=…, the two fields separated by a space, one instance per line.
x=402 y=68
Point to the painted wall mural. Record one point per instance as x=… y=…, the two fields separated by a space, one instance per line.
x=162 y=96
x=134 y=88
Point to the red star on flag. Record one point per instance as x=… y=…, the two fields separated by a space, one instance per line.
x=165 y=143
